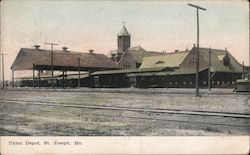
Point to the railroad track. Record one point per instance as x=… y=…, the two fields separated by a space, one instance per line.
x=235 y=122
x=119 y=108
x=138 y=91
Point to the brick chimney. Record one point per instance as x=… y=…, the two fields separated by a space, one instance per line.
x=91 y=51
x=37 y=47
x=65 y=49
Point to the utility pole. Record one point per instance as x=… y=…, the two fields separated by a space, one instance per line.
x=249 y=47
x=13 y=79
x=52 y=59
x=197 y=53
x=33 y=81
x=3 y=69
x=39 y=78
x=209 y=69
x=243 y=70
x=79 y=80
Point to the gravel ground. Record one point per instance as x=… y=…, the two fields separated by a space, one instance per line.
x=21 y=119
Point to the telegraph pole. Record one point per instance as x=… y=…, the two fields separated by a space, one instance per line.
x=79 y=82
x=3 y=69
x=13 y=79
x=33 y=81
x=197 y=52
x=52 y=59
x=243 y=70
x=209 y=69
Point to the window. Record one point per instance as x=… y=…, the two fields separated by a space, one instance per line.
x=159 y=62
x=220 y=57
x=226 y=60
x=126 y=65
x=194 y=61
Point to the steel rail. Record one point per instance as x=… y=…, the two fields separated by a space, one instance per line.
x=170 y=111
x=133 y=117
x=167 y=120
x=126 y=91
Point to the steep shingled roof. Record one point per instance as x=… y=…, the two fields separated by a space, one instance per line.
x=217 y=63
x=137 y=52
x=164 y=60
x=27 y=57
x=176 y=58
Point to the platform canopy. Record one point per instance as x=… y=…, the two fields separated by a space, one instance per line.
x=28 y=59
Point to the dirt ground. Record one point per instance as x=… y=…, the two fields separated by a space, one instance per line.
x=26 y=119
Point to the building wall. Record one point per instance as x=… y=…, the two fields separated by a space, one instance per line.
x=218 y=80
x=127 y=61
x=112 y=81
x=123 y=43
x=59 y=83
x=190 y=61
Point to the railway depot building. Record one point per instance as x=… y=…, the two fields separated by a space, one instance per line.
x=64 y=61
x=176 y=70
x=127 y=67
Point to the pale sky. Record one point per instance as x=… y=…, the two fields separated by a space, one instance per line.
x=154 y=25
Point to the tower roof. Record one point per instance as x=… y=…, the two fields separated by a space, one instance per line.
x=123 y=32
